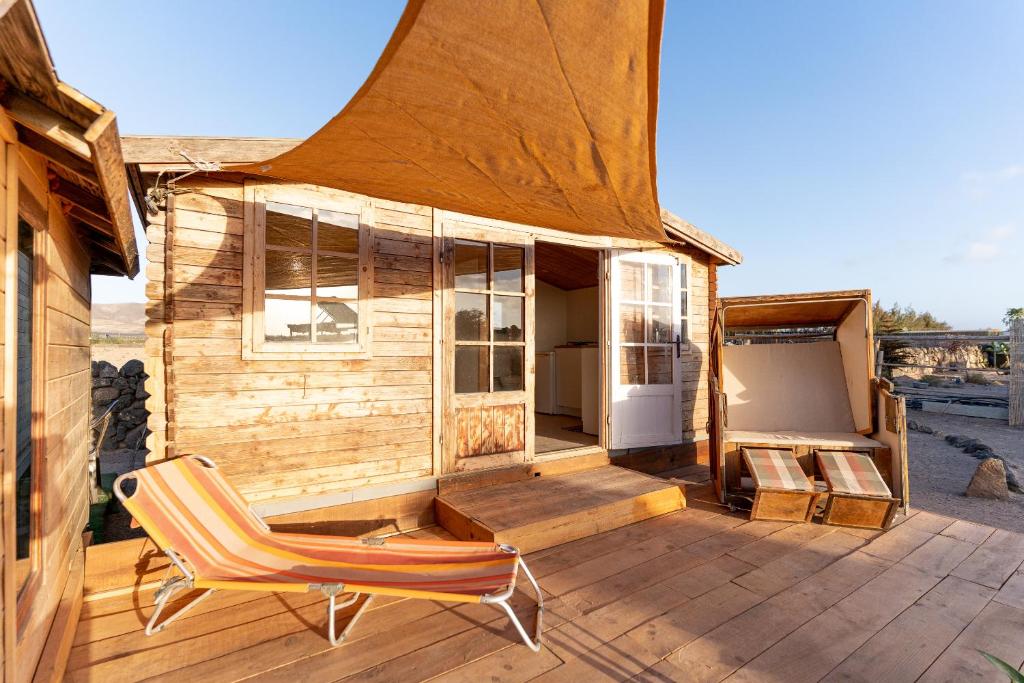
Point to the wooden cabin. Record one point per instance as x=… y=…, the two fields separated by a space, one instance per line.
x=65 y=216
x=330 y=349
x=796 y=372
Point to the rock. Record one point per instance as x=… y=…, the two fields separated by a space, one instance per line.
x=132 y=368
x=141 y=393
x=989 y=481
x=925 y=429
x=975 y=447
x=106 y=370
x=104 y=395
x=135 y=436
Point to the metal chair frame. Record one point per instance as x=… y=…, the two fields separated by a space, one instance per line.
x=172 y=584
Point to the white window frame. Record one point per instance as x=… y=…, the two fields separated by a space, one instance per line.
x=254 y=344
x=685 y=284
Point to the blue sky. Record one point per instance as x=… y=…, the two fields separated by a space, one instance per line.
x=836 y=144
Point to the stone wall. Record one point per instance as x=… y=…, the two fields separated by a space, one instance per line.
x=127 y=387
x=954 y=358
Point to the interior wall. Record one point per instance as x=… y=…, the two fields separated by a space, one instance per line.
x=853 y=344
x=550 y=316
x=786 y=387
x=582 y=321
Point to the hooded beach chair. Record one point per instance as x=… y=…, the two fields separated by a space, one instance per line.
x=857 y=494
x=216 y=541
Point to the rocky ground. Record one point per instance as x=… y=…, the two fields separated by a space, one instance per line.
x=940 y=471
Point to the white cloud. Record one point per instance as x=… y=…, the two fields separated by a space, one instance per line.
x=992 y=246
x=981 y=252
x=980 y=184
x=1002 y=232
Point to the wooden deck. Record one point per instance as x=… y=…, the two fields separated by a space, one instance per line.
x=692 y=595
x=542 y=512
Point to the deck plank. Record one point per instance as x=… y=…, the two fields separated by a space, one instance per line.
x=692 y=595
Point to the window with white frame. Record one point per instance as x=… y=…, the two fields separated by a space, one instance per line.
x=310 y=274
x=684 y=303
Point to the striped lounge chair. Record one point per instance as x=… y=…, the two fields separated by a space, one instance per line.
x=782 y=491
x=217 y=542
x=857 y=494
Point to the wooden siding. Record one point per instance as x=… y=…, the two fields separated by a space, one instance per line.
x=283 y=428
x=63 y=287
x=286 y=427
x=696 y=359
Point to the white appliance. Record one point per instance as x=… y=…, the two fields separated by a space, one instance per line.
x=544 y=383
x=590 y=389
x=567 y=370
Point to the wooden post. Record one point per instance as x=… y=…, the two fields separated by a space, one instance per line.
x=1017 y=373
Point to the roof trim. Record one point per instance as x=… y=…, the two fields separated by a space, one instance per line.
x=62 y=118
x=691 y=234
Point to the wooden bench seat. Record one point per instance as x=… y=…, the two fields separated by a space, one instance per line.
x=857 y=494
x=783 y=492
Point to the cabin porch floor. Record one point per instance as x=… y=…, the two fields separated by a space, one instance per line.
x=699 y=594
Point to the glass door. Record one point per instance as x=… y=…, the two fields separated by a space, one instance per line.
x=646 y=406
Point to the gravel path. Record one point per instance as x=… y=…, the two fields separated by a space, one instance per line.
x=939 y=472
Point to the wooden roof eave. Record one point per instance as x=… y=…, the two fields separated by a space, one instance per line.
x=685 y=231
x=805 y=309
x=60 y=118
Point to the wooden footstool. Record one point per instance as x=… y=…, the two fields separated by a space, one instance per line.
x=857 y=494
x=783 y=492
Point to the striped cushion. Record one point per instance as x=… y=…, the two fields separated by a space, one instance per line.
x=851 y=473
x=190 y=508
x=774 y=468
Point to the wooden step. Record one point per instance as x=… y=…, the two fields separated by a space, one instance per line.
x=538 y=513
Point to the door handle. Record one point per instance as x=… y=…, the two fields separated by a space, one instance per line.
x=679 y=343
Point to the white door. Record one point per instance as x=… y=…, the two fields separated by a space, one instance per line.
x=645 y=392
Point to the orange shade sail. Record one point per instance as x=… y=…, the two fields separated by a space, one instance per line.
x=541 y=112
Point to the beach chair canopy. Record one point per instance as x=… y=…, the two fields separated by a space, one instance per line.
x=190 y=508
x=539 y=112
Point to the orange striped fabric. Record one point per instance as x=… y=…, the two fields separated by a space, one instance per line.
x=191 y=509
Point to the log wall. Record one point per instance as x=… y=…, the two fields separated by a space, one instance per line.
x=283 y=428
x=61 y=421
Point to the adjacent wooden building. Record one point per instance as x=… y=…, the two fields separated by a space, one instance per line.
x=64 y=215
x=327 y=348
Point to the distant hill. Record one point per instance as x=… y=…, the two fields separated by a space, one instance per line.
x=129 y=318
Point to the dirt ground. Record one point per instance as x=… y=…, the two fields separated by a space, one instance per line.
x=116 y=354
x=939 y=472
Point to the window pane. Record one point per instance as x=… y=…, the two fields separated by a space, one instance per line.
x=286 y=320
x=683 y=303
x=659 y=325
x=288 y=273
x=337 y=322
x=684 y=331
x=659 y=365
x=632 y=281
x=631 y=323
x=508 y=269
x=470 y=317
x=508 y=368
x=337 y=231
x=470 y=265
x=661 y=282
x=631 y=365
x=470 y=369
x=24 y=448
x=508 y=318
x=337 y=276
x=289 y=226
x=682 y=276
